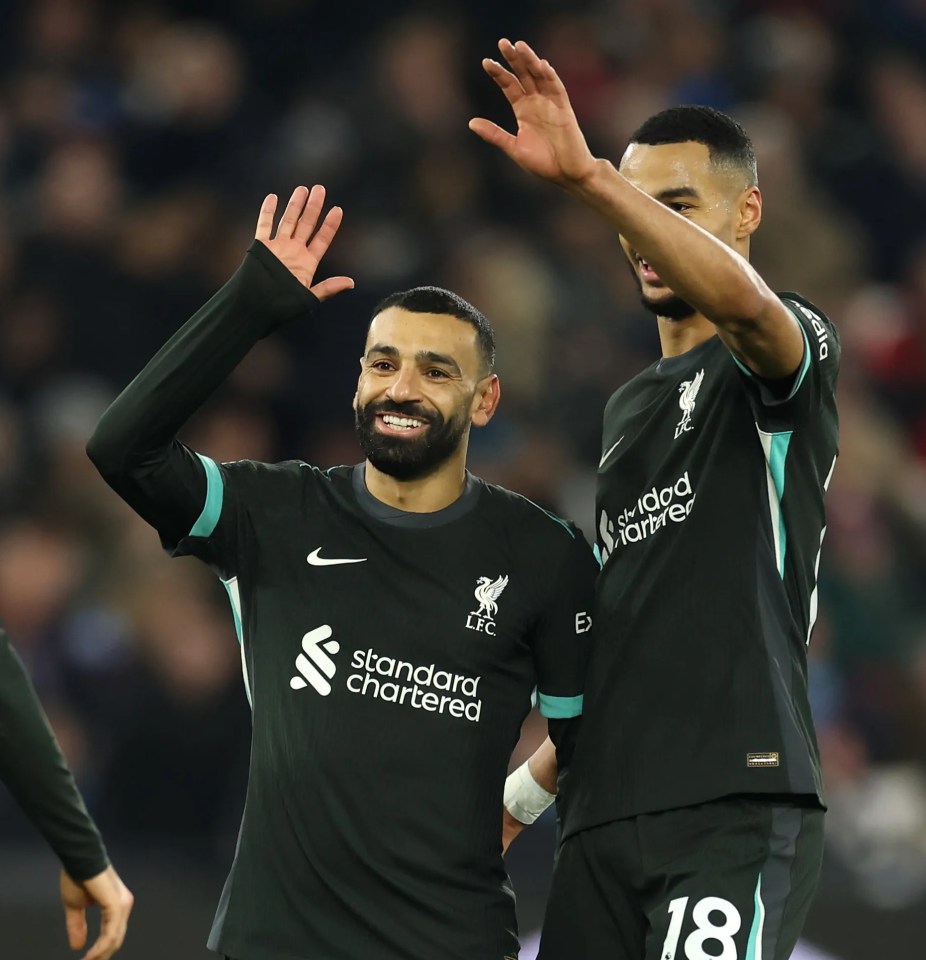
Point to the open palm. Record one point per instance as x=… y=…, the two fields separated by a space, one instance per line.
x=549 y=142
x=294 y=244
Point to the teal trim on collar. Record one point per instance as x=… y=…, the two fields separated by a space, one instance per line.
x=215 y=494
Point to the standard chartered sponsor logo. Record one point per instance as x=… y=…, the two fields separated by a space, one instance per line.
x=654 y=510
x=315 y=666
x=420 y=687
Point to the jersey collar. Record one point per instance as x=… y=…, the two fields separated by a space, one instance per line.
x=403 y=518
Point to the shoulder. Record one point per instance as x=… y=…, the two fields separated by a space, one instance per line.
x=255 y=476
x=822 y=334
x=518 y=512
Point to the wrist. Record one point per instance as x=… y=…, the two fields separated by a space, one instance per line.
x=589 y=183
x=524 y=798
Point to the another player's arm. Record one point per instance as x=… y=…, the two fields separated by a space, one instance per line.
x=718 y=282
x=560 y=646
x=135 y=446
x=529 y=790
x=36 y=774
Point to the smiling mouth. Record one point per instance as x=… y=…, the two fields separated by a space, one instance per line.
x=646 y=272
x=392 y=423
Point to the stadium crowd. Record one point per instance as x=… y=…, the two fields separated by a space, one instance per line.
x=136 y=142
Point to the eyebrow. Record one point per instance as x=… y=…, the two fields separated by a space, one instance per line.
x=674 y=193
x=422 y=356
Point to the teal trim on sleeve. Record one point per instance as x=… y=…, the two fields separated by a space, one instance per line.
x=596 y=550
x=805 y=362
x=215 y=494
x=560 y=708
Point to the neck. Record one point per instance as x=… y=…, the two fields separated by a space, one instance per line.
x=679 y=336
x=425 y=494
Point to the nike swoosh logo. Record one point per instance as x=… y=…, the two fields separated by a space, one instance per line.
x=316 y=561
x=608 y=454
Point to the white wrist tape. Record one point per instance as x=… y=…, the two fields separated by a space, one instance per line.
x=525 y=799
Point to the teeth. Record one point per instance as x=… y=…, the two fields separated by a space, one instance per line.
x=404 y=423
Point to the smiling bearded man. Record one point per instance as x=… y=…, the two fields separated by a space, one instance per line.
x=394 y=618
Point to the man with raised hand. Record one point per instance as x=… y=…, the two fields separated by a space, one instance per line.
x=37 y=775
x=693 y=813
x=394 y=618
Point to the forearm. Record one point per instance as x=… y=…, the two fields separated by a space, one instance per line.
x=32 y=767
x=530 y=789
x=134 y=445
x=143 y=421
x=718 y=282
x=543 y=766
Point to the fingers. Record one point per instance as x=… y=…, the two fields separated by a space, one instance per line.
x=508 y=82
x=265 y=218
x=532 y=72
x=313 y=207
x=518 y=61
x=292 y=213
x=494 y=134
x=332 y=287
x=547 y=79
x=113 y=923
x=299 y=218
x=326 y=233
x=75 y=922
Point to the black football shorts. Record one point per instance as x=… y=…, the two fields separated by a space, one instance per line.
x=727 y=880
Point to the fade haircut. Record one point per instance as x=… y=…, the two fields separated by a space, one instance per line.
x=727 y=142
x=439 y=300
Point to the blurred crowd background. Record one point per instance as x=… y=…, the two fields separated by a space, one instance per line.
x=137 y=140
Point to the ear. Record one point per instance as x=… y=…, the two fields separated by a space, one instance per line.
x=488 y=393
x=353 y=402
x=750 y=213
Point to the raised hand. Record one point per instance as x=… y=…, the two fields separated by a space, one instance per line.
x=549 y=142
x=294 y=244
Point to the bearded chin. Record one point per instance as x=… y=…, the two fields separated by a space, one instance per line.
x=669 y=308
x=408 y=459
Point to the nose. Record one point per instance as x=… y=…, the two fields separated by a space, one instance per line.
x=404 y=386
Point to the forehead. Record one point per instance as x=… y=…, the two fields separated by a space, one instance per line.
x=412 y=333
x=668 y=166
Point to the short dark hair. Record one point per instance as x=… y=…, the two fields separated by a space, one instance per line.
x=439 y=300
x=727 y=142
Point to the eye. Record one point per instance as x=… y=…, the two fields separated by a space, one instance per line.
x=679 y=207
x=383 y=366
x=435 y=374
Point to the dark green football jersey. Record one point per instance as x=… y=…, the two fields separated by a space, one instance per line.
x=710 y=526
x=389 y=658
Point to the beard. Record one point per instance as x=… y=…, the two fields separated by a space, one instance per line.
x=412 y=458
x=669 y=308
